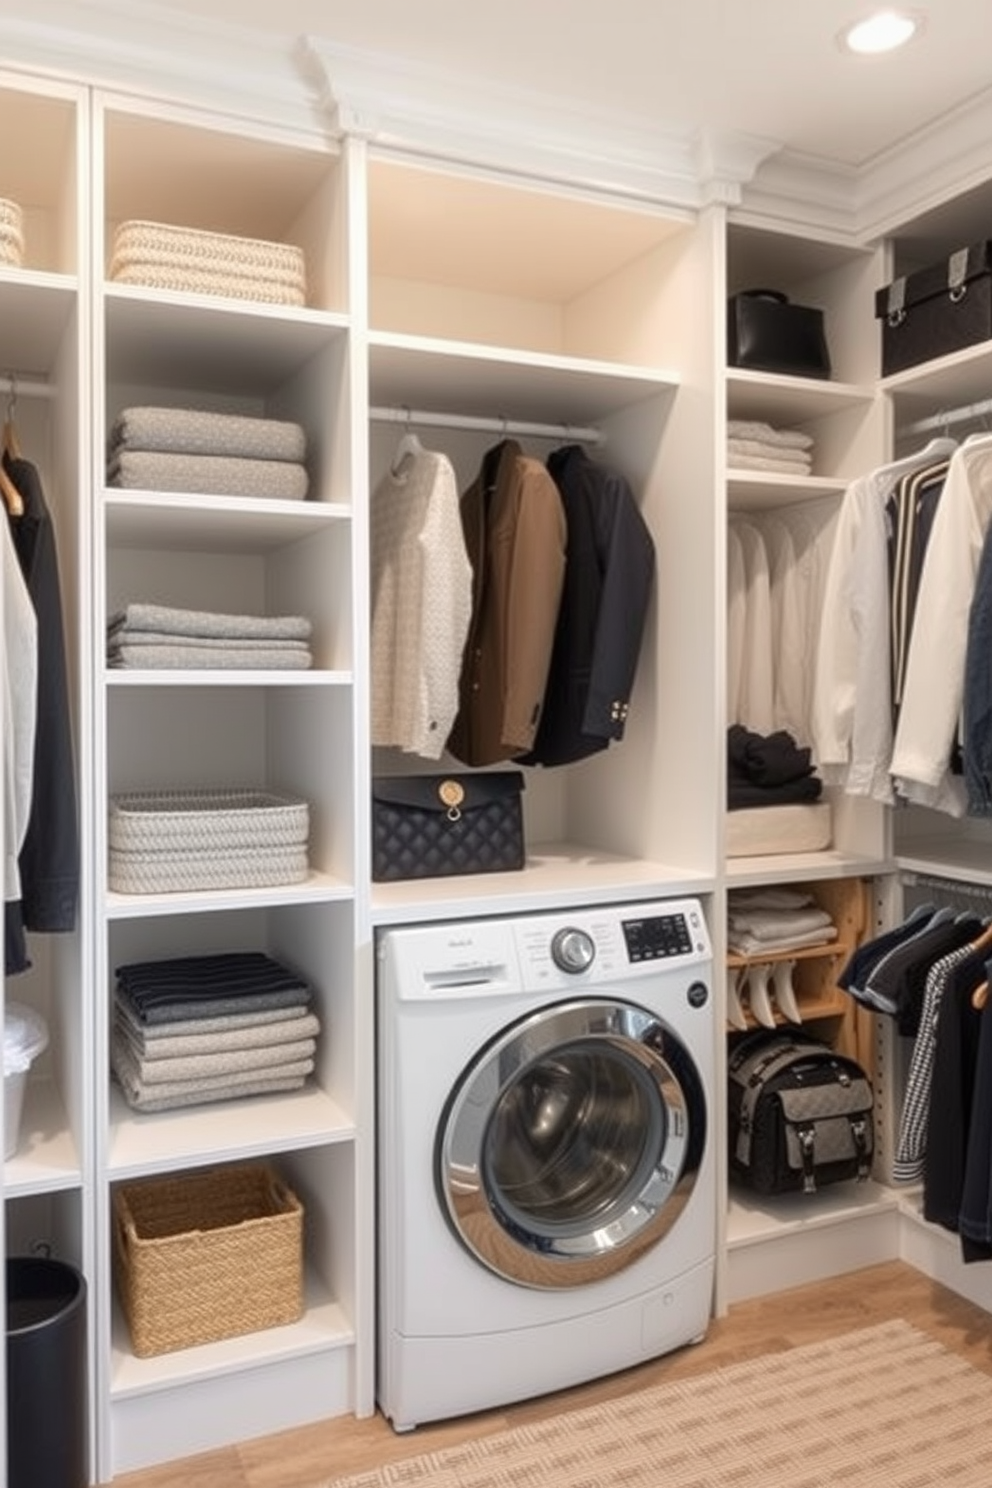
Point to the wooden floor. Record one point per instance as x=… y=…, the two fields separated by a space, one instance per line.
x=300 y=1459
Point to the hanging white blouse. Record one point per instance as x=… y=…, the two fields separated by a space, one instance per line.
x=757 y=693
x=933 y=691
x=736 y=606
x=852 y=696
x=421 y=602
x=20 y=705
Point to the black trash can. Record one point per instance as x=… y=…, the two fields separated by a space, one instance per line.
x=47 y=1442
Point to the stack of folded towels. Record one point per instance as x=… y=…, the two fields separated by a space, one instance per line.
x=760 y=921
x=11 y=234
x=150 y=635
x=752 y=445
x=161 y=255
x=197 y=1029
x=213 y=454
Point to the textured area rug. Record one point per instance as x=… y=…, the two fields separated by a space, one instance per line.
x=885 y=1407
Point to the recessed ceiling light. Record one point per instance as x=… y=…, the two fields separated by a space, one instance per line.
x=882 y=32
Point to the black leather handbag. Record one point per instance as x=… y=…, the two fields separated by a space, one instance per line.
x=429 y=826
x=769 y=334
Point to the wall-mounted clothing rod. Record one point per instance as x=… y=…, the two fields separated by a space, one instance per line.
x=961 y=415
x=949 y=886
x=504 y=427
x=30 y=387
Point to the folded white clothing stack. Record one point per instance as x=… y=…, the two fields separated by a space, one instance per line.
x=754 y=445
x=203 y=1029
x=212 y=454
x=150 y=635
x=11 y=234
x=162 y=255
x=762 y=921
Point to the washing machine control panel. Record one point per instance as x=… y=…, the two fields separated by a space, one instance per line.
x=599 y=945
x=658 y=937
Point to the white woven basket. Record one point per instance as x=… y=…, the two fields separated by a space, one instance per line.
x=210 y=822
x=186 y=872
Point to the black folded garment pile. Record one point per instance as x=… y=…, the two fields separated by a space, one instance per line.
x=196 y=1029
x=768 y=770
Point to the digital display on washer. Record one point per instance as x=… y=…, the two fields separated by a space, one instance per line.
x=656 y=937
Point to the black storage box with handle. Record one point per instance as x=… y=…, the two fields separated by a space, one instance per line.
x=800 y=1114
x=429 y=826
x=936 y=310
x=767 y=333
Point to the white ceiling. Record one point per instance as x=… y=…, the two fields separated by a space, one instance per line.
x=766 y=67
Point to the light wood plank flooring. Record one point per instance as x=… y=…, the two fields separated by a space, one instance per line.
x=299 y=1459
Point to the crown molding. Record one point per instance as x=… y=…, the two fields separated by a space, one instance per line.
x=927 y=168
x=312 y=85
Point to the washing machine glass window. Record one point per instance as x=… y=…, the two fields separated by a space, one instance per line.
x=571 y=1143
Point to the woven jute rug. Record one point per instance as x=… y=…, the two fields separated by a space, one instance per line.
x=884 y=1407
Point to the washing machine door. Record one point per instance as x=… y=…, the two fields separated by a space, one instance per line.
x=571 y=1144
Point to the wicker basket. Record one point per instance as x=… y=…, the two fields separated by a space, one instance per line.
x=207 y=1255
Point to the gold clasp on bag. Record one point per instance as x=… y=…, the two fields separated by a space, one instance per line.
x=452 y=794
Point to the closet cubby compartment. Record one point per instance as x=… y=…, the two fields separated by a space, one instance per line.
x=43 y=175
x=814 y=975
x=550 y=317
x=170 y=167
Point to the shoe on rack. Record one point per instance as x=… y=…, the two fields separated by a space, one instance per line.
x=758 y=978
x=783 y=991
x=735 y=1009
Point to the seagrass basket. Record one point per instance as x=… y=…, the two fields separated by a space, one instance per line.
x=207 y=1255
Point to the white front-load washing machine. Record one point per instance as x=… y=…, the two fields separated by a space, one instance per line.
x=546 y=1175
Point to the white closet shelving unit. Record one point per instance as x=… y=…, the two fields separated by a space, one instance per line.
x=289 y=732
x=480 y=304
x=43 y=375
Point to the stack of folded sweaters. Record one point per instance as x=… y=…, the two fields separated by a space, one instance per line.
x=150 y=635
x=761 y=921
x=11 y=234
x=197 y=1029
x=160 y=255
x=213 y=454
x=753 y=445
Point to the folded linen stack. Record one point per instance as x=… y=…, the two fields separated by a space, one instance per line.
x=196 y=1029
x=170 y=841
x=11 y=234
x=161 y=255
x=752 y=445
x=213 y=454
x=760 y=921
x=149 y=635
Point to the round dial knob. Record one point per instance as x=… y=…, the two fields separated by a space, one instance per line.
x=573 y=950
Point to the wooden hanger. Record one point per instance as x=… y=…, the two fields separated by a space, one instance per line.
x=12 y=499
x=980 y=996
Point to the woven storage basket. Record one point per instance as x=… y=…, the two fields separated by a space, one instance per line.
x=162 y=255
x=206 y=821
x=207 y=1255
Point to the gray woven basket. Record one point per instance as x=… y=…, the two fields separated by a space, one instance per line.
x=206 y=822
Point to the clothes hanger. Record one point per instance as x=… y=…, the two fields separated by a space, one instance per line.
x=11 y=445
x=408 y=448
x=12 y=498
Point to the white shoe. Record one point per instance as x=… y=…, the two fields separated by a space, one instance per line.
x=784 y=992
x=735 y=1010
x=758 y=974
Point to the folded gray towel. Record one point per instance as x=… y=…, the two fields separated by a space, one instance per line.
x=194 y=431
x=207 y=475
x=159 y=1071
x=289 y=658
x=177 y=1045
x=156 y=619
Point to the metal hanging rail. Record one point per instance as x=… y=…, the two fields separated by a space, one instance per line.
x=961 y=415
x=503 y=426
x=30 y=387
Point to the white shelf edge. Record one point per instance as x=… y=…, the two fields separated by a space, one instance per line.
x=228 y=677
x=142 y=1144
x=323 y=1328
x=753 y=1219
x=260 y=310
x=554 y=874
x=439 y=347
x=319 y=888
x=791 y=867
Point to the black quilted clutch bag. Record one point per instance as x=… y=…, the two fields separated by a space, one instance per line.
x=429 y=826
